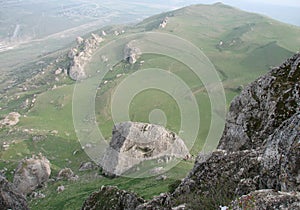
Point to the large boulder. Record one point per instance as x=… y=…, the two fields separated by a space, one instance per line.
x=31 y=173
x=10 y=198
x=134 y=142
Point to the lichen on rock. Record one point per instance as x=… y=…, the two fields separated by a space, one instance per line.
x=10 y=198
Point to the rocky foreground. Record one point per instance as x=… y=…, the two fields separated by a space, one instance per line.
x=257 y=164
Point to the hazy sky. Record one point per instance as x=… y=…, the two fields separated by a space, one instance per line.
x=285 y=11
x=292 y=3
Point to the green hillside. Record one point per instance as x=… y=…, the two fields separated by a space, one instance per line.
x=241 y=45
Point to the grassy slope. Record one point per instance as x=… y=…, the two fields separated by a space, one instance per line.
x=254 y=38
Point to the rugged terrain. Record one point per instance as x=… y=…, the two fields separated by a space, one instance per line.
x=36 y=105
x=246 y=171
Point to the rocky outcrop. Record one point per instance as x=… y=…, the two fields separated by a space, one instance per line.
x=81 y=54
x=164 y=22
x=131 y=52
x=262 y=107
x=134 y=142
x=79 y=40
x=257 y=164
x=31 y=173
x=281 y=157
x=275 y=165
x=10 y=198
x=11 y=119
x=267 y=199
x=87 y=166
x=67 y=174
x=109 y=197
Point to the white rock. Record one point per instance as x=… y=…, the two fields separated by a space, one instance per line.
x=60 y=189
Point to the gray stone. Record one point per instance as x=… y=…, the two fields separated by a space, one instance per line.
x=31 y=173
x=66 y=173
x=164 y=22
x=267 y=199
x=60 y=189
x=134 y=142
x=109 y=197
x=131 y=52
x=262 y=107
x=80 y=57
x=87 y=166
x=10 y=198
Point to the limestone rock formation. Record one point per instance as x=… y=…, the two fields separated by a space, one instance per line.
x=134 y=142
x=164 y=22
x=79 y=40
x=267 y=199
x=10 y=198
x=273 y=166
x=76 y=71
x=281 y=157
x=11 y=119
x=31 y=173
x=109 y=197
x=81 y=54
x=262 y=107
x=131 y=52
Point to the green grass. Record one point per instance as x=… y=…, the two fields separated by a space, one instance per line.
x=143 y=103
x=80 y=190
x=52 y=111
x=259 y=44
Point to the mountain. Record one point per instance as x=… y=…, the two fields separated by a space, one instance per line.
x=242 y=46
